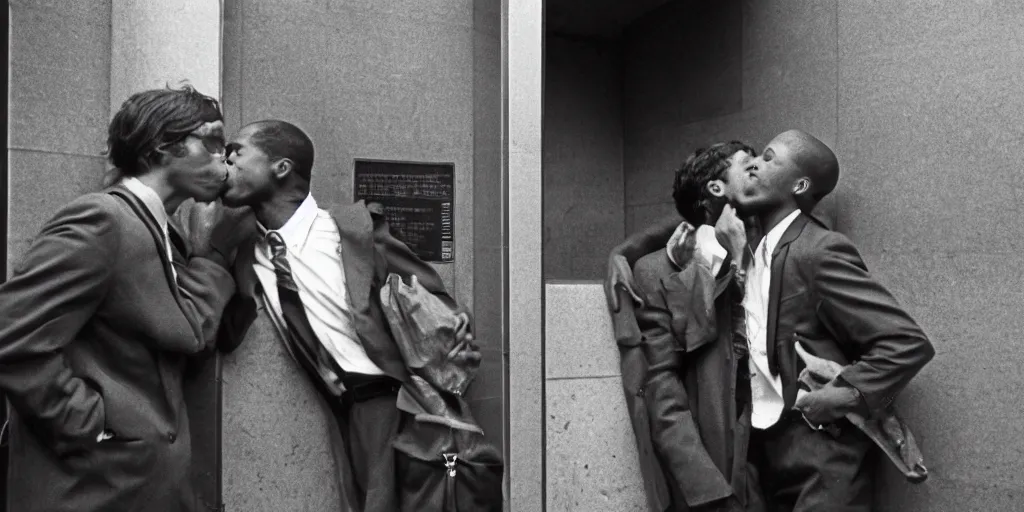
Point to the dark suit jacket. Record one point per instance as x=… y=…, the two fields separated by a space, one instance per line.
x=94 y=336
x=823 y=296
x=369 y=254
x=697 y=431
x=633 y=366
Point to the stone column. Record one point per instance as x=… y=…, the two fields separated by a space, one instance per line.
x=155 y=44
x=522 y=77
x=160 y=44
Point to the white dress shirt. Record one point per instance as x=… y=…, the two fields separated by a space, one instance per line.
x=155 y=205
x=315 y=257
x=766 y=389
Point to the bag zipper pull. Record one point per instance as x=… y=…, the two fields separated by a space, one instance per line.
x=449 y=462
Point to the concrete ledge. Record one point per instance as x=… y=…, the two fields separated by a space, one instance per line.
x=591 y=458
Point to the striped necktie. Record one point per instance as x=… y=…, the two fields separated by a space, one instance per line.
x=308 y=349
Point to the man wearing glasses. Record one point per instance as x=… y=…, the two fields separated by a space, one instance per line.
x=101 y=314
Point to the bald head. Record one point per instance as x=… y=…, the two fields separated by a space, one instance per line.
x=813 y=159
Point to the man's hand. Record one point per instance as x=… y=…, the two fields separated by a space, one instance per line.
x=731 y=233
x=620 y=276
x=465 y=352
x=216 y=229
x=828 y=404
x=682 y=244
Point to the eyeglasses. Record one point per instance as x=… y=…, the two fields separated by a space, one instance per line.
x=213 y=143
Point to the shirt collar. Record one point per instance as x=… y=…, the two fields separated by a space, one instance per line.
x=771 y=240
x=296 y=230
x=149 y=198
x=707 y=244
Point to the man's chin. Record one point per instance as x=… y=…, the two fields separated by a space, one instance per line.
x=232 y=201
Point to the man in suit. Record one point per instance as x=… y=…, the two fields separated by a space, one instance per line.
x=806 y=284
x=99 y=317
x=809 y=285
x=697 y=387
x=319 y=273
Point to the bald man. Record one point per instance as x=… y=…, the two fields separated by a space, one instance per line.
x=808 y=285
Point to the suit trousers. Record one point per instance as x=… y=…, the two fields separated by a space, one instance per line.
x=807 y=470
x=368 y=427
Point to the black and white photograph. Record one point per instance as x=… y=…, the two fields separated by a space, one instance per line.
x=512 y=256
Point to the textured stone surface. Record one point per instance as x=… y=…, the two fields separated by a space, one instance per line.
x=59 y=76
x=923 y=122
x=487 y=241
x=591 y=456
x=578 y=338
x=275 y=448
x=378 y=80
x=524 y=73
x=583 y=187
x=40 y=184
x=931 y=194
x=156 y=44
x=57 y=125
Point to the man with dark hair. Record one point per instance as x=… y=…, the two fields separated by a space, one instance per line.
x=319 y=272
x=808 y=290
x=99 y=317
x=695 y=388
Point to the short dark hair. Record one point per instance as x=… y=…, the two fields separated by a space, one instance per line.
x=152 y=119
x=689 y=190
x=281 y=139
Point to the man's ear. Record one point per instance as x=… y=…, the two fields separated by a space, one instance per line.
x=283 y=167
x=716 y=188
x=802 y=186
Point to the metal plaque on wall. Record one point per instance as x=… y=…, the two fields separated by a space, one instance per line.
x=418 y=200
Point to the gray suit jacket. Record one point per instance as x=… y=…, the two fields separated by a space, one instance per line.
x=94 y=336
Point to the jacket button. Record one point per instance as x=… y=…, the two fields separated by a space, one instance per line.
x=172 y=437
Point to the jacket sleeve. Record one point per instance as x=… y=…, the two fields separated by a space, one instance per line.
x=673 y=429
x=220 y=315
x=239 y=314
x=859 y=310
x=205 y=287
x=51 y=296
x=647 y=241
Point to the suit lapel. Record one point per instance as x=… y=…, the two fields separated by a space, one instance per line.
x=779 y=256
x=154 y=230
x=356 y=230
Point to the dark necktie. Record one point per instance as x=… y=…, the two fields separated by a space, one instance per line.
x=304 y=343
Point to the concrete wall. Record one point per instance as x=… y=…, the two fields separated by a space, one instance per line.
x=696 y=74
x=378 y=80
x=924 y=123
x=591 y=456
x=487 y=397
x=583 y=186
x=59 y=106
